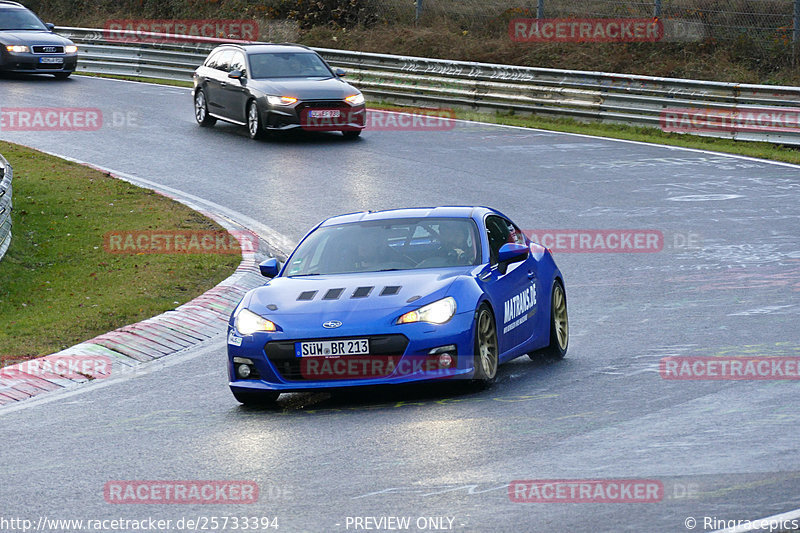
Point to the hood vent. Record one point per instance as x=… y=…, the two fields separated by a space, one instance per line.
x=333 y=294
x=306 y=296
x=362 y=292
x=390 y=290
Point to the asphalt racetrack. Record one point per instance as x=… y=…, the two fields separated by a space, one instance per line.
x=724 y=282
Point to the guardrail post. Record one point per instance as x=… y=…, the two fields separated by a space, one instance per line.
x=419 y=11
x=540 y=9
x=657 y=9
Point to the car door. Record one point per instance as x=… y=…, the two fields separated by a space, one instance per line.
x=217 y=81
x=234 y=92
x=513 y=289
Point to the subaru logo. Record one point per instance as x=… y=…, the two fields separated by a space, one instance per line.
x=331 y=324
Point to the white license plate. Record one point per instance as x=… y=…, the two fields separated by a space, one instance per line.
x=51 y=60
x=332 y=348
x=324 y=113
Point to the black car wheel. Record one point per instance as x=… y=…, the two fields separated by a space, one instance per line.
x=351 y=134
x=559 y=327
x=254 y=127
x=62 y=75
x=486 y=349
x=256 y=399
x=201 y=109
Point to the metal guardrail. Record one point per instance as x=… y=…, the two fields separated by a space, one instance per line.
x=5 y=206
x=736 y=111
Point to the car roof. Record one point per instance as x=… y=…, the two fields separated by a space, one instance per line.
x=9 y=3
x=275 y=48
x=449 y=211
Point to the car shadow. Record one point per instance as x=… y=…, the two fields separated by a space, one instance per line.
x=510 y=376
x=41 y=77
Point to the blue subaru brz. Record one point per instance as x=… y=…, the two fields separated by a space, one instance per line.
x=399 y=296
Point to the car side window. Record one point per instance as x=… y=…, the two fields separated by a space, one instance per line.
x=497 y=230
x=516 y=236
x=224 y=62
x=213 y=59
x=238 y=63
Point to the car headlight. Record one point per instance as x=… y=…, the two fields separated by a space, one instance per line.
x=18 y=48
x=437 y=312
x=71 y=49
x=281 y=100
x=247 y=323
x=356 y=99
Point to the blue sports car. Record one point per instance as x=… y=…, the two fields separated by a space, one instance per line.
x=397 y=296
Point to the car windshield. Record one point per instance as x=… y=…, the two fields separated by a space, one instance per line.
x=381 y=245
x=288 y=65
x=20 y=19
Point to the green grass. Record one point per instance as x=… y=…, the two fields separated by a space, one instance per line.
x=59 y=286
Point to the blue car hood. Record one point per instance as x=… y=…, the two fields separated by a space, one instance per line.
x=353 y=293
x=9 y=37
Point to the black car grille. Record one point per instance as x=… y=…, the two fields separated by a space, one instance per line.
x=47 y=49
x=282 y=354
x=322 y=104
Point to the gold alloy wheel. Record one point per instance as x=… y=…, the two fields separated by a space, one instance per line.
x=560 y=321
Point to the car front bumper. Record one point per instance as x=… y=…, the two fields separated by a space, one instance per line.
x=283 y=118
x=285 y=372
x=32 y=63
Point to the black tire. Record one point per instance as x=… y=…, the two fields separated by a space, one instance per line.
x=254 y=126
x=62 y=75
x=256 y=399
x=351 y=134
x=201 y=110
x=559 y=327
x=486 y=358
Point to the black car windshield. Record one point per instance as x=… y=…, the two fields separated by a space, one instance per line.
x=288 y=65
x=20 y=19
x=382 y=245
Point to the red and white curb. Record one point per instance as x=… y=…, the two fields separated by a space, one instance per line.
x=127 y=348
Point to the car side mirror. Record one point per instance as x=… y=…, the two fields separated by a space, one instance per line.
x=512 y=252
x=235 y=74
x=340 y=72
x=270 y=267
x=50 y=26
